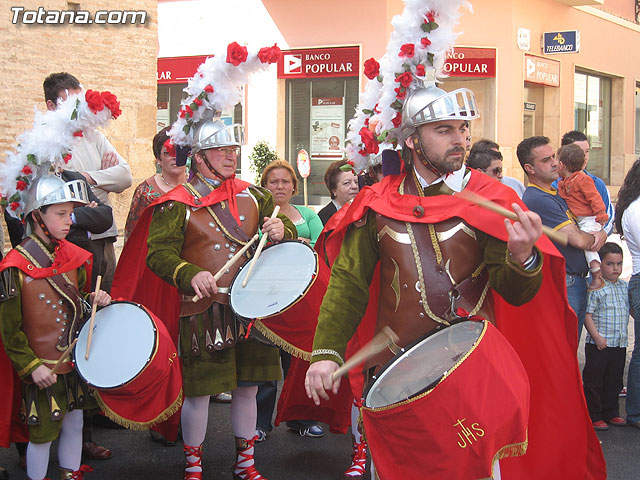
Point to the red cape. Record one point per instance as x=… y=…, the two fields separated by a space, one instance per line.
x=562 y=442
x=68 y=257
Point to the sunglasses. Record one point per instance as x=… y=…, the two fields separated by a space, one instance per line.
x=496 y=170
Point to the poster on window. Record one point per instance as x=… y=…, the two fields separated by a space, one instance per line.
x=327 y=127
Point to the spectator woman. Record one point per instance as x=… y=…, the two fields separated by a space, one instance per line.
x=169 y=177
x=627 y=222
x=280 y=179
x=343 y=186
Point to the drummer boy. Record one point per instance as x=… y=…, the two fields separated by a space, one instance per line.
x=41 y=311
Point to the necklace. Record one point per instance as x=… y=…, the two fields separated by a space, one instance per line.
x=165 y=181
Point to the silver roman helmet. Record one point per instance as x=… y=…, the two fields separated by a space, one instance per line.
x=51 y=189
x=432 y=104
x=213 y=133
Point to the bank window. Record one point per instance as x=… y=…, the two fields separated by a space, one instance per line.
x=592 y=116
x=317 y=114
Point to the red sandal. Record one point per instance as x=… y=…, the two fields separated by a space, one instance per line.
x=66 y=474
x=243 y=447
x=190 y=451
x=358 y=463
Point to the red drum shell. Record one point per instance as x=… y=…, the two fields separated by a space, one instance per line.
x=476 y=414
x=155 y=393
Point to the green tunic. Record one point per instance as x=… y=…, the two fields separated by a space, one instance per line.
x=347 y=295
x=219 y=371
x=25 y=362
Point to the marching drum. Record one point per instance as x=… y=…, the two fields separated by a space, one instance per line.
x=449 y=404
x=283 y=294
x=133 y=365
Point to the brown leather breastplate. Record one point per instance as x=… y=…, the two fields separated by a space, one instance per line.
x=422 y=269
x=52 y=319
x=209 y=242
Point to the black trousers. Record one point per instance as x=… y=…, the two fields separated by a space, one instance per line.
x=602 y=378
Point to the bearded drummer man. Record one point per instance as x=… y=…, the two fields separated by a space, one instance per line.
x=438 y=254
x=190 y=238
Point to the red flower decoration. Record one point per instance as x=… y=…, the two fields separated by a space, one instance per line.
x=197 y=101
x=269 y=54
x=366 y=121
x=371 y=68
x=405 y=79
x=369 y=140
x=112 y=103
x=431 y=17
x=21 y=185
x=78 y=133
x=397 y=120
x=208 y=89
x=188 y=110
x=420 y=70
x=94 y=101
x=14 y=205
x=27 y=170
x=407 y=50
x=182 y=113
x=170 y=147
x=236 y=54
x=425 y=42
x=400 y=92
x=66 y=158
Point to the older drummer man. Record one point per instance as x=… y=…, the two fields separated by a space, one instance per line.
x=435 y=263
x=191 y=236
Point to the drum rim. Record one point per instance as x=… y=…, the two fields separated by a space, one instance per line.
x=149 y=361
x=314 y=277
x=429 y=388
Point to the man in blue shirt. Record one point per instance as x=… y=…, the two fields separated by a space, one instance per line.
x=539 y=162
x=580 y=139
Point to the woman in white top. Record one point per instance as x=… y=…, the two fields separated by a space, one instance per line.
x=628 y=224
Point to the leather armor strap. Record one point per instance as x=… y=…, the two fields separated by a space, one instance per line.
x=69 y=290
x=195 y=348
x=222 y=214
x=429 y=263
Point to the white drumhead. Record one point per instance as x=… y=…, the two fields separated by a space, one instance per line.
x=123 y=341
x=281 y=275
x=423 y=364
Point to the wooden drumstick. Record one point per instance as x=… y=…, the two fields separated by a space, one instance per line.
x=558 y=237
x=64 y=356
x=263 y=240
x=231 y=261
x=93 y=316
x=381 y=341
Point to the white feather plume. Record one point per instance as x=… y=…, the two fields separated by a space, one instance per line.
x=45 y=146
x=226 y=80
x=408 y=29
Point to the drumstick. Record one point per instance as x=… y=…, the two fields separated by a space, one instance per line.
x=263 y=240
x=64 y=356
x=231 y=261
x=93 y=316
x=558 y=237
x=381 y=341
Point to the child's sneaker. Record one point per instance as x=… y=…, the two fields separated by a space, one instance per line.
x=600 y=425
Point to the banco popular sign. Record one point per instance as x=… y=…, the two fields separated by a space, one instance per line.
x=319 y=62
x=471 y=62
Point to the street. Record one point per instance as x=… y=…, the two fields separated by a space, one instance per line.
x=283 y=456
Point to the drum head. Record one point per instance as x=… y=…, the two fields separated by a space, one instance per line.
x=123 y=342
x=422 y=365
x=281 y=276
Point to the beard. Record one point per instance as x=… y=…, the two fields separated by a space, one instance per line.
x=444 y=163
